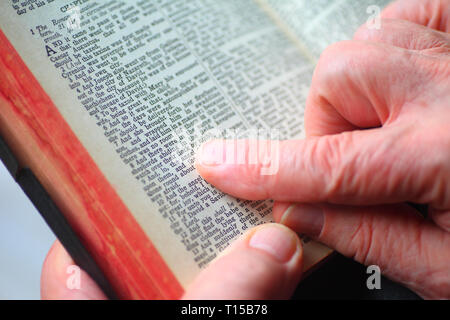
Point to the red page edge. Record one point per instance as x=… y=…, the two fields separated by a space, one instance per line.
x=132 y=264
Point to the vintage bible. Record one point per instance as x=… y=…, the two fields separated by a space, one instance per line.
x=98 y=100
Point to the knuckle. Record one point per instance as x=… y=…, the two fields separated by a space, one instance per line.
x=334 y=154
x=332 y=60
x=361 y=242
x=343 y=65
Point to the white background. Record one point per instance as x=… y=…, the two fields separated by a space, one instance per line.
x=24 y=241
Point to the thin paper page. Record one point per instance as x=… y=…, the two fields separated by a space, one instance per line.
x=131 y=77
x=319 y=23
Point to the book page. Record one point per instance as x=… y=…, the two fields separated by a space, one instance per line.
x=319 y=23
x=132 y=77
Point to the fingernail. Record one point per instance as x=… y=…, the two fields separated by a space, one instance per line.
x=276 y=240
x=304 y=218
x=211 y=153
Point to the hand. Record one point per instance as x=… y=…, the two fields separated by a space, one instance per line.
x=378 y=136
x=265 y=263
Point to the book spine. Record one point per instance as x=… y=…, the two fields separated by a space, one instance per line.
x=54 y=218
x=42 y=140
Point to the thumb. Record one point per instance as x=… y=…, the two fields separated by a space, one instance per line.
x=57 y=269
x=266 y=263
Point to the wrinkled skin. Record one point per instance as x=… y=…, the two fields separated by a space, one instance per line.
x=378 y=136
x=378 y=128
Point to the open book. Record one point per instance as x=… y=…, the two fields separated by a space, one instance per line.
x=96 y=98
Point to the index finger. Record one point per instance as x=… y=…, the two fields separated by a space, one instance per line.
x=434 y=14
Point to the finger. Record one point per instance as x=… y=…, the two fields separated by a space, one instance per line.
x=265 y=263
x=434 y=14
x=58 y=282
x=406 y=247
x=359 y=167
x=404 y=34
x=363 y=85
x=441 y=218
